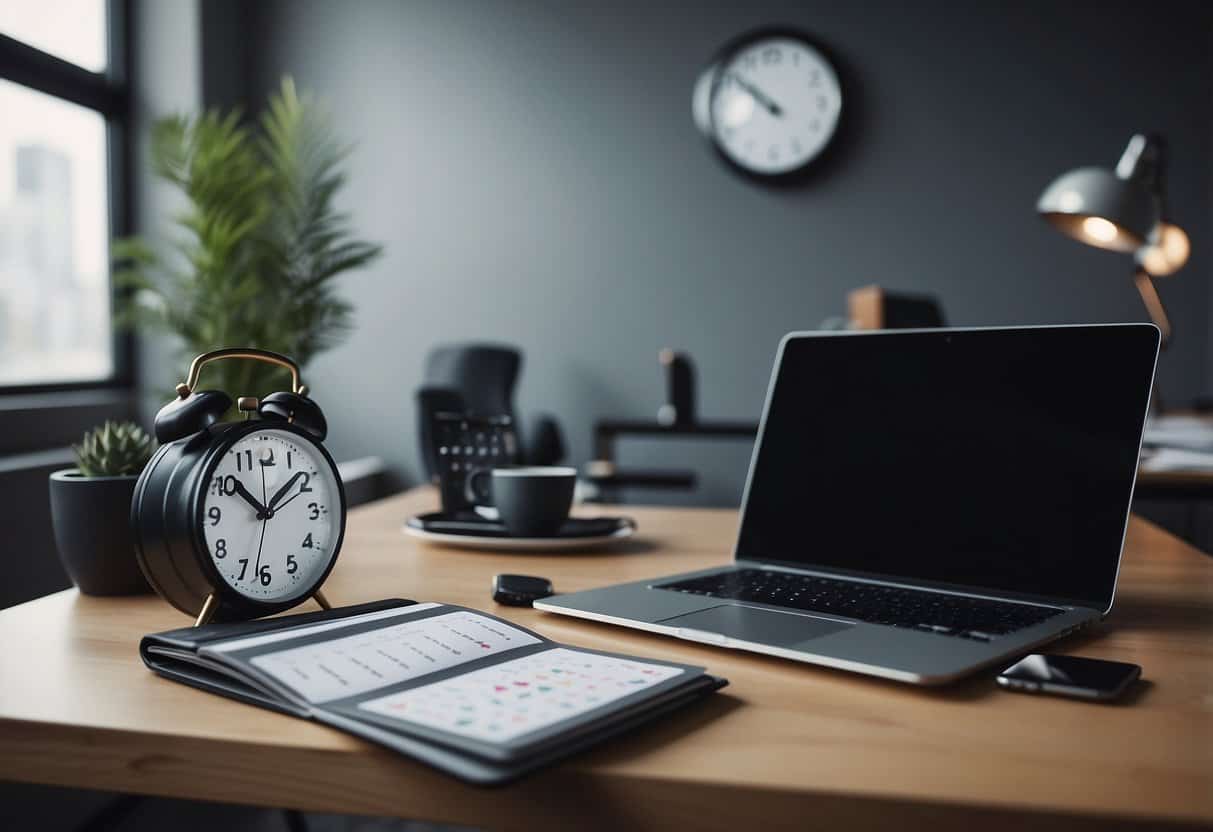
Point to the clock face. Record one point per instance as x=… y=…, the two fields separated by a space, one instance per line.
x=774 y=104
x=271 y=515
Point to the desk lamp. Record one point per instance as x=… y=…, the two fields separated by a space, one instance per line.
x=1124 y=210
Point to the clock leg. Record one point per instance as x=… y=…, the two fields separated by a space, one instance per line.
x=208 y=610
x=321 y=600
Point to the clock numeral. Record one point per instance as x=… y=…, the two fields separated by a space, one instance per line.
x=243 y=568
x=267 y=463
x=795 y=59
x=315 y=509
x=750 y=61
x=814 y=77
x=288 y=459
x=292 y=566
x=815 y=125
x=303 y=483
x=264 y=575
x=773 y=153
x=772 y=55
x=796 y=147
x=822 y=102
x=307 y=542
x=221 y=548
x=214 y=514
x=227 y=485
x=241 y=456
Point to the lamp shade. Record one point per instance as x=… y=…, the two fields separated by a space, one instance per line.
x=1099 y=208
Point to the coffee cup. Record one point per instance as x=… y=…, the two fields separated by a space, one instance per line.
x=531 y=501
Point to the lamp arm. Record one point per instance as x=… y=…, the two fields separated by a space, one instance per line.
x=1154 y=305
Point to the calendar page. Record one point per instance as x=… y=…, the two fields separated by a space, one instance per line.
x=365 y=662
x=518 y=696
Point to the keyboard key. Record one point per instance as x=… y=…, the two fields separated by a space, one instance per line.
x=976 y=619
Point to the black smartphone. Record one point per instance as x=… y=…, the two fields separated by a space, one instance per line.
x=1070 y=676
x=520 y=590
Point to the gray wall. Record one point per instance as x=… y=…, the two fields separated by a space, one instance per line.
x=534 y=173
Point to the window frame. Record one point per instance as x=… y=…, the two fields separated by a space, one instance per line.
x=107 y=93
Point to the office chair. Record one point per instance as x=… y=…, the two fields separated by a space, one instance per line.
x=479 y=379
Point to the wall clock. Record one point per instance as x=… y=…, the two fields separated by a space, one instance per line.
x=770 y=103
x=237 y=520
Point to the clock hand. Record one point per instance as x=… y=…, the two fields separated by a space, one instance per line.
x=758 y=95
x=287 y=501
x=265 y=518
x=250 y=499
x=260 y=543
x=281 y=492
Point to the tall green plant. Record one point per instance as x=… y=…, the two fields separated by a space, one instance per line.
x=256 y=251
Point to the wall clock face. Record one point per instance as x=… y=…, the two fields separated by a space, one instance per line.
x=269 y=515
x=770 y=103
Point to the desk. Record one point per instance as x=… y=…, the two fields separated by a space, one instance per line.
x=1183 y=484
x=785 y=746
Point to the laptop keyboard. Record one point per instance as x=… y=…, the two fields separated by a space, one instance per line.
x=932 y=612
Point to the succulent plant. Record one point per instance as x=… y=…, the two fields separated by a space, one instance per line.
x=114 y=449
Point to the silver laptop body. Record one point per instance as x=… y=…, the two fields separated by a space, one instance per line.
x=948 y=475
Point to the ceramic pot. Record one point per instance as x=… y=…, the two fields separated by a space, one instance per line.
x=92 y=520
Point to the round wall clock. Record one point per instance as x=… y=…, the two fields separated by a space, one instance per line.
x=238 y=520
x=770 y=103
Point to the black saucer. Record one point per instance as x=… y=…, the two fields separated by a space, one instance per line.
x=477 y=532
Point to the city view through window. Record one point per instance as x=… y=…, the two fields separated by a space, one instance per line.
x=55 y=320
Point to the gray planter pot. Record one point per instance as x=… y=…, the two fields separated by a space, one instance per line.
x=92 y=520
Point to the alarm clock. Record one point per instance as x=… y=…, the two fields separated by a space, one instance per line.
x=236 y=520
x=770 y=103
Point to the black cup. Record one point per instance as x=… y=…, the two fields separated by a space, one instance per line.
x=531 y=501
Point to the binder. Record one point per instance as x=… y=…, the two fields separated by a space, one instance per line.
x=466 y=692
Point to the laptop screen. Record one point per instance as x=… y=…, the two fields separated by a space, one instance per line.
x=999 y=459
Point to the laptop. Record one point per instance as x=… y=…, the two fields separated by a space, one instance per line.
x=920 y=503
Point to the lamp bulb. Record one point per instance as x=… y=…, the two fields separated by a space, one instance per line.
x=1099 y=229
x=1166 y=252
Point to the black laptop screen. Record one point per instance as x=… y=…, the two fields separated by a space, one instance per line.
x=1000 y=459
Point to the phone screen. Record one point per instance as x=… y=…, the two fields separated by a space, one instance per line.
x=1075 y=675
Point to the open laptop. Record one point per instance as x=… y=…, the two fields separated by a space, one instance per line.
x=920 y=503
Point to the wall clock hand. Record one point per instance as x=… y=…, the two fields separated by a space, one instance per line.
x=758 y=95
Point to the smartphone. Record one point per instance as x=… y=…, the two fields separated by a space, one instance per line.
x=1070 y=676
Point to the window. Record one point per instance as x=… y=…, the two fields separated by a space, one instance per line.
x=62 y=148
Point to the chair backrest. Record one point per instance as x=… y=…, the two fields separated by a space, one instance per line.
x=484 y=375
x=477 y=379
x=872 y=307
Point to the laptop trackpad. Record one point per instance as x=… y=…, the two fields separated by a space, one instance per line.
x=754 y=624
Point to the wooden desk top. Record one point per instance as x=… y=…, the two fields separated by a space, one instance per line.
x=783 y=744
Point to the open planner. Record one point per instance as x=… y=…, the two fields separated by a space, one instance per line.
x=467 y=692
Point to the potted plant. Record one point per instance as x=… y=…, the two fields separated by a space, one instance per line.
x=256 y=251
x=91 y=508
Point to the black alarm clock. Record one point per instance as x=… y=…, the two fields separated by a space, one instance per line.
x=236 y=520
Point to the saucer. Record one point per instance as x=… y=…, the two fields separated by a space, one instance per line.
x=476 y=533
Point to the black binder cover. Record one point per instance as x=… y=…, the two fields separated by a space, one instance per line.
x=230 y=659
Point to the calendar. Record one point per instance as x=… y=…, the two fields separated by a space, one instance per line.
x=505 y=701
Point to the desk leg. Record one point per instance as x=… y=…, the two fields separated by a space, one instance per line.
x=295 y=821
